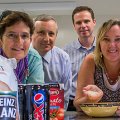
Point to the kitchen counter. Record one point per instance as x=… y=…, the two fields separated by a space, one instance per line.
x=72 y=115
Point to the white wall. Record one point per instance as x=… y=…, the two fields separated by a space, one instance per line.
x=66 y=33
x=62 y=10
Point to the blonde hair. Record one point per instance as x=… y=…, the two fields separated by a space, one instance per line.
x=100 y=36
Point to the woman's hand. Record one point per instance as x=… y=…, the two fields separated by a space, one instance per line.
x=93 y=93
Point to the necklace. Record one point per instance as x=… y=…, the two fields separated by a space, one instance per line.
x=112 y=82
x=113 y=78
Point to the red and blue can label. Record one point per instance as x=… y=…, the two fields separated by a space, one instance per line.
x=41 y=102
x=36 y=105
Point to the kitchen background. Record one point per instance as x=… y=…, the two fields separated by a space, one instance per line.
x=62 y=10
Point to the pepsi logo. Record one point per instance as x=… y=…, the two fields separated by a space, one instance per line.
x=39 y=98
x=54 y=92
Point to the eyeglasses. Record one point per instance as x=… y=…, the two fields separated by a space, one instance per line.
x=14 y=36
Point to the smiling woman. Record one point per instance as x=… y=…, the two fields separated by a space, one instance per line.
x=102 y=66
x=16 y=29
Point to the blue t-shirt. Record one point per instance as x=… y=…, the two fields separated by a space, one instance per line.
x=35 y=67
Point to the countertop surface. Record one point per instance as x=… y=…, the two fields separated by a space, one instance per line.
x=72 y=115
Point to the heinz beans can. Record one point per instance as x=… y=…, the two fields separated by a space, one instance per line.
x=8 y=105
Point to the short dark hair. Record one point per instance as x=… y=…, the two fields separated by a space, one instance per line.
x=9 y=18
x=80 y=9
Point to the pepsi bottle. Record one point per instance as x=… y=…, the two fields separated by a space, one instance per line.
x=37 y=103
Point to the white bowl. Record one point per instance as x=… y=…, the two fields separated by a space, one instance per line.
x=103 y=109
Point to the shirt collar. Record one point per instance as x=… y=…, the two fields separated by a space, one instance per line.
x=78 y=45
x=47 y=56
x=94 y=43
